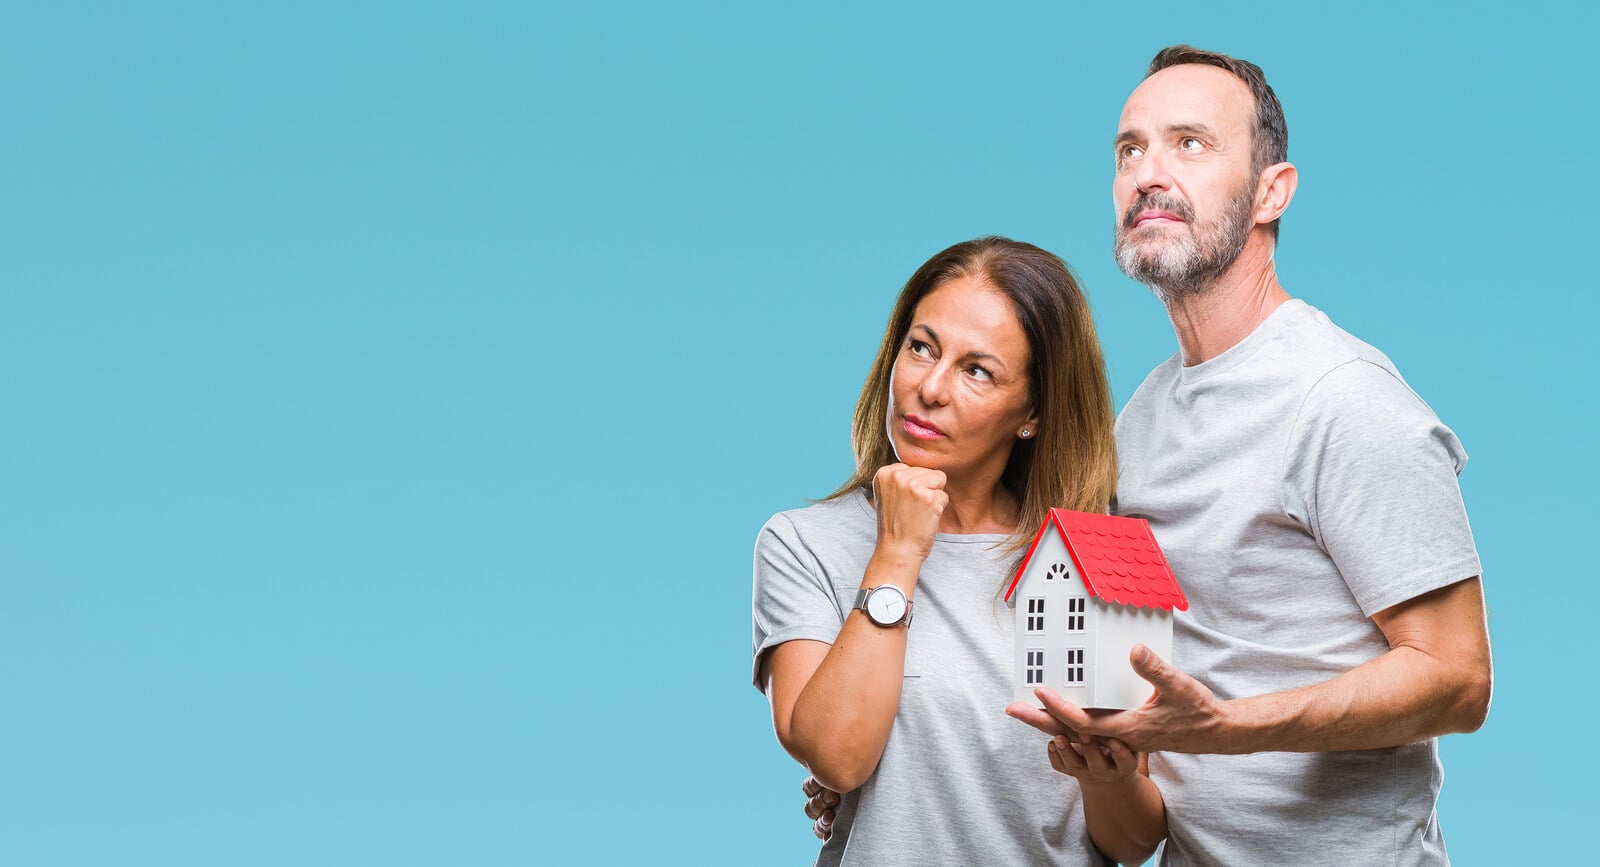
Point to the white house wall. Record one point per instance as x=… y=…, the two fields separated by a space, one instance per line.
x=1120 y=628
x=1054 y=640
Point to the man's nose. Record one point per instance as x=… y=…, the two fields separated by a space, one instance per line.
x=1150 y=174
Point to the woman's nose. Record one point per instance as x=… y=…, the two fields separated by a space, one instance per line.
x=935 y=386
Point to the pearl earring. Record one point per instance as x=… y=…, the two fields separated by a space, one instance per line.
x=1026 y=433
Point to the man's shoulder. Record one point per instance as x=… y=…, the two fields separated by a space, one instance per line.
x=1296 y=358
x=1299 y=348
x=1338 y=368
x=1315 y=338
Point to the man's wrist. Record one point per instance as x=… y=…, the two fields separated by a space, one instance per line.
x=1232 y=730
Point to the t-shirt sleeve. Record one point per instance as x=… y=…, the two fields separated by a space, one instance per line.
x=791 y=597
x=1373 y=473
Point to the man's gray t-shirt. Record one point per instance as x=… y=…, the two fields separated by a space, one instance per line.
x=1298 y=486
x=960 y=783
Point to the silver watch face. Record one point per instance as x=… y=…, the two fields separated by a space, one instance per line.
x=886 y=605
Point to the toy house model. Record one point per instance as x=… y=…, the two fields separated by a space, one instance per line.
x=1090 y=588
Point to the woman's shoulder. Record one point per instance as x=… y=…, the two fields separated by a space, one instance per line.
x=847 y=514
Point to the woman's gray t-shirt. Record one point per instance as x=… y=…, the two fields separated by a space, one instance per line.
x=960 y=783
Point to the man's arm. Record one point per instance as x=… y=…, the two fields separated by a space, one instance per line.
x=1435 y=679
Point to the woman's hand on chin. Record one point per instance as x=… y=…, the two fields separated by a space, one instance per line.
x=910 y=501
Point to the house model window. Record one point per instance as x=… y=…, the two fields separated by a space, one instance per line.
x=1036 y=667
x=1036 y=614
x=1104 y=580
x=1076 y=605
x=1075 y=666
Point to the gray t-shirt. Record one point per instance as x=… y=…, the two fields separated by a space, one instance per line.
x=960 y=783
x=1298 y=486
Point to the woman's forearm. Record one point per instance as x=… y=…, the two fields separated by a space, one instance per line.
x=1126 y=819
x=839 y=718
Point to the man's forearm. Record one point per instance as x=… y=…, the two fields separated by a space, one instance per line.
x=1435 y=679
x=1399 y=698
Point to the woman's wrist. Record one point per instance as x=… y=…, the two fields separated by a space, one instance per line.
x=892 y=564
x=1123 y=787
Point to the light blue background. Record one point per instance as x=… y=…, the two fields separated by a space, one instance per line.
x=391 y=392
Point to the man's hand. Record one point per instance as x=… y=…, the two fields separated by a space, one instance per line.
x=1182 y=716
x=1436 y=678
x=820 y=801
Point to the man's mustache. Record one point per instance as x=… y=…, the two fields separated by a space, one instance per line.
x=1162 y=201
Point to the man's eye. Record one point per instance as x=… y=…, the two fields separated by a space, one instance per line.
x=1190 y=143
x=1130 y=152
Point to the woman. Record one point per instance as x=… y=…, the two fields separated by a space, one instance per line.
x=987 y=404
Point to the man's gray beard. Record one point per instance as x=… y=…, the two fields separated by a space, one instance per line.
x=1191 y=264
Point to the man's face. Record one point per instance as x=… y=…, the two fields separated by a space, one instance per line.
x=1184 y=194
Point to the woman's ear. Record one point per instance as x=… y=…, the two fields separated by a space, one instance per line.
x=1029 y=429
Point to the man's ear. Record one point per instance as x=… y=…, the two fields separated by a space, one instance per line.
x=1274 y=190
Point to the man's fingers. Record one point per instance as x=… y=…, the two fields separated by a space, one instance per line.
x=1155 y=669
x=823 y=826
x=811 y=787
x=822 y=801
x=1039 y=719
x=1070 y=716
x=813 y=809
x=819 y=799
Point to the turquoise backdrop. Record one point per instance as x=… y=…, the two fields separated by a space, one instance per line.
x=391 y=392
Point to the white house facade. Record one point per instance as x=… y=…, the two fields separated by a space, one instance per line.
x=1090 y=588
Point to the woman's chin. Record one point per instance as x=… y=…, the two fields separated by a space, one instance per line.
x=914 y=454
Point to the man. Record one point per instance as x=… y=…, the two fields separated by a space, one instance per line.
x=1307 y=501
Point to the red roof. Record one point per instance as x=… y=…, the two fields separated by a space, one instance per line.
x=1118 y=558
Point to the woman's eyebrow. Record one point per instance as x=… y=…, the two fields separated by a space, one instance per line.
x=979 y=355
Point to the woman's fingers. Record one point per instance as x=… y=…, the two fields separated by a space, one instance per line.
x=910 y=501
x=1097 y=758
x=1064 y=756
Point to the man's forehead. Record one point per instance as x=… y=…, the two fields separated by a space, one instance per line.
x=1189 y=94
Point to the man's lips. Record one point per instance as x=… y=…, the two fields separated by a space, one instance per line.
x=1153 y=214
x=920 y=428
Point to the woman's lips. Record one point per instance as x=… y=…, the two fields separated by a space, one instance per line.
x=921 y=428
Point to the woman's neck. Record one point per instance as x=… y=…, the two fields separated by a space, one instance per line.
x=986 y=507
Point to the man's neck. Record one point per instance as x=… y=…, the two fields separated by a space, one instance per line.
x=1212 y=321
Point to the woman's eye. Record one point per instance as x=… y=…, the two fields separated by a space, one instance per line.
x=919 y=349
x=979 y=373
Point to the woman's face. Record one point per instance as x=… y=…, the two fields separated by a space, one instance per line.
x=959 y=390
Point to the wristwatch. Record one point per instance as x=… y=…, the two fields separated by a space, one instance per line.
x=886 y=605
